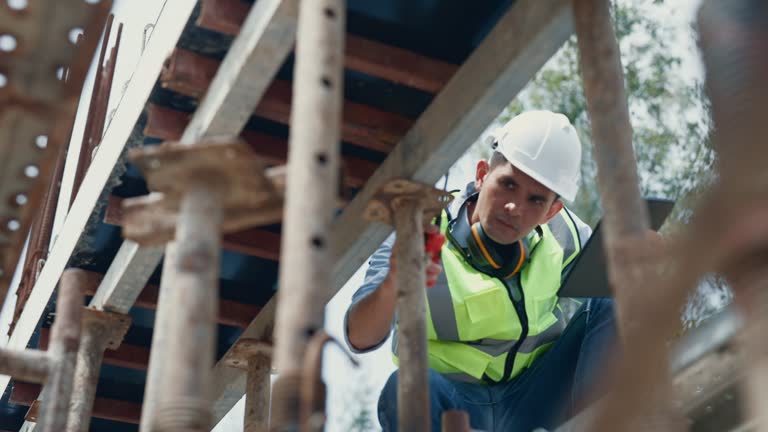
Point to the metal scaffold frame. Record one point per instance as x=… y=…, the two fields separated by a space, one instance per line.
x=209 y=182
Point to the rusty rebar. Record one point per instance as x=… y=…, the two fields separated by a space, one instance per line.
x=184 y=402
x=313 y=173
x=65 y=340
x=313 y=389
x=412 y=382
x=28 y=365
x=84 y=157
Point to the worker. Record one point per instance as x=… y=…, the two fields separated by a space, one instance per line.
x=500 y=343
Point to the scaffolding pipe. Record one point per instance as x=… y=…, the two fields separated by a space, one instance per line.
x=735 y=53
x=28 y=365
x=184 y=401
x=160 y=338
x=631 y=258
x=411 y=281
x=313 y=173
x=99 y=329
x=456 y=421
x=65 y=339
x=257 y=393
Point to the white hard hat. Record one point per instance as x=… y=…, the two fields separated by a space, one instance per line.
x=545 y=146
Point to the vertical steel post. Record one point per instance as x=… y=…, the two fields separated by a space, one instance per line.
x=631 y=259
x=257 y=393
x=313 y=170
x=99 y=331
x=456 y=421
x=184 y=402
x=734 y=46
x=65 y=339
x=413 y=386
x=160 y=337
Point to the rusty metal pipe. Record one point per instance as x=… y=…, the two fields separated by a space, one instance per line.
x=65 y=339
x=28 y=365
x=257 y=394
x=185 y=401
x=456 y=421
x=313 y=173
x=98 y=330
x=412 y=383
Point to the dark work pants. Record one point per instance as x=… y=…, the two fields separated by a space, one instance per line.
x=542 y=396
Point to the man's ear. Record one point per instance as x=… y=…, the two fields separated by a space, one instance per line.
x=482 y=170
x=554 y=209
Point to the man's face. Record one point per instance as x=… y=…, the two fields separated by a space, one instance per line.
x=511 y=203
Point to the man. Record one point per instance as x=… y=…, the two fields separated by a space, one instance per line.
x=499 y=343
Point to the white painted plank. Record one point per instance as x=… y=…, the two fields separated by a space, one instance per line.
x=265 y=40
x=170 y=25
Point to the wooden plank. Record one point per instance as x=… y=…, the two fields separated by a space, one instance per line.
x=362 y=55
x=231 y=313
x=247 y=70
x=528 y=34
x=169 y=26
x=104 y=408
x=255 y=242
x=190 y=74
x=168 y=124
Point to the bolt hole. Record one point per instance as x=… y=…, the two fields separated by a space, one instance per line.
x=3 y=80
x=318 y=242
x=326 y=82
x=330 y=13
x=13 y=225
x=17 y=4
x=74 y=33
x=322 y=159
x=21 y=199
x=31 y=171
x=41 y=141
x=8 y=43
x=236 y=362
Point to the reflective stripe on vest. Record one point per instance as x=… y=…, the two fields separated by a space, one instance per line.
x=471 y=320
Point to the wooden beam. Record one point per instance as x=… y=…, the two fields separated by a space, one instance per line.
x=255 y=242
x=362 y=55
x=168 y=124
x=247 y=70
x=104 y=408
x=529 y=33
x=231 y=313
x=190 y=74
x=169 y=26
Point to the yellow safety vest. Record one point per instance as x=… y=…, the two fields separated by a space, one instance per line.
x=473 y=323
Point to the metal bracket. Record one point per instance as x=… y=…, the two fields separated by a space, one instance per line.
x=112 y=326
x=382 y=206
x=244 y=350
x=252 y=194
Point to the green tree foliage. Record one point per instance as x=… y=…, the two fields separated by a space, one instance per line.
x=669 y=113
